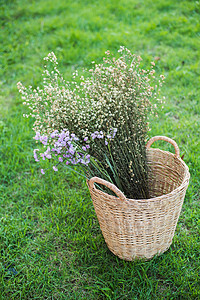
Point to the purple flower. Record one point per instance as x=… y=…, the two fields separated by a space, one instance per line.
x=97 y=134
x=37 y=136
x=114 y=132
x=84 y=162
x=69 y=143
x=72 y=135
x=100 y=135
x=54 y=134
x=73 y=161
x=35 y=155
x=62 y=135
x=87 y=159
x=47 y=153
x=58 y=151
x=71 y=150
x=67 y=162
x=106 y=143
x=87 y=146
x=42 y=155
x=44 y=139
x=93 y=136
x=84 y=148
x=42 y=171
x=55 y=169
x=85 y=139
x=60 y=159
x=63 y=144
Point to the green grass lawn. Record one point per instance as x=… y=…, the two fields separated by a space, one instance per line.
x=50 y=241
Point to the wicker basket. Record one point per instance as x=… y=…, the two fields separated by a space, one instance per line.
x=143 y=228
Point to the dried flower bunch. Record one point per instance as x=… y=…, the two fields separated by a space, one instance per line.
x=99 y=120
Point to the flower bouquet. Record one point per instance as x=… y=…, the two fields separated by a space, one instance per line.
x=99 y=120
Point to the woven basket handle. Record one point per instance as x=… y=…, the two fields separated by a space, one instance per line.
x=109 y=185
x=164 y=138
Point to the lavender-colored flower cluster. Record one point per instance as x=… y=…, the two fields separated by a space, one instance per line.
x=100 y=135
x=67 y=148
x=63 y=146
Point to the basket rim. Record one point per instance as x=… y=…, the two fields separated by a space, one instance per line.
x=184 y=183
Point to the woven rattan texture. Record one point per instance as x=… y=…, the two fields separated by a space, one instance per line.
x=142 y=228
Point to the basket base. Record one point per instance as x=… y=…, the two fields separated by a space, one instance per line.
x=137 y=256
